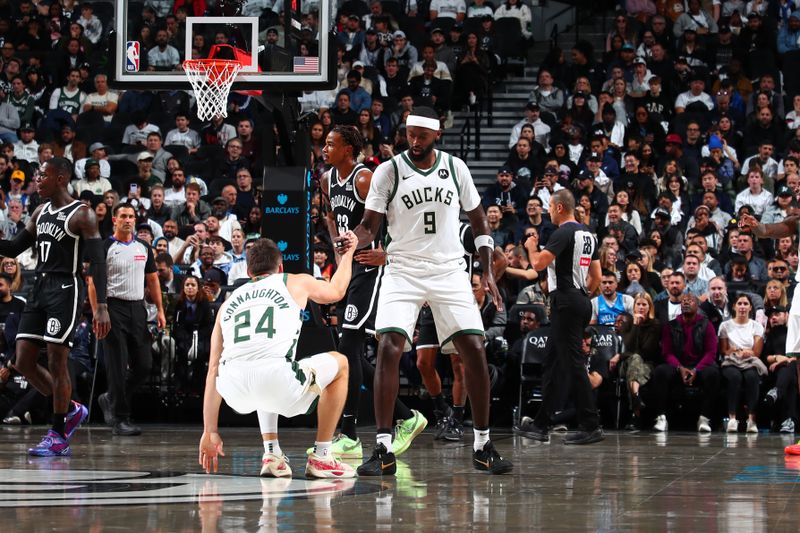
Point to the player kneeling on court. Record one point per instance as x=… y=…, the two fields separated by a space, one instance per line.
x=252 y=365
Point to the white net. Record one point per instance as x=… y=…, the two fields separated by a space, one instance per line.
x=211 y=81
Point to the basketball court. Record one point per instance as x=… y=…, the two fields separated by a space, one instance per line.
x=630 y=482
x=638 y=482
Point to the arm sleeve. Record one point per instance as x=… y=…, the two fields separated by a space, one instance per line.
x=666 y=347
x=97 y=267
x=557 y=242
x=710 y=348
x=382 y=187
x=150 y=264
x=21 y=242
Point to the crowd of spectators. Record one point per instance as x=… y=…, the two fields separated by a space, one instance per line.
x=682 y=123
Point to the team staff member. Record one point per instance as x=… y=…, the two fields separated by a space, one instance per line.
x=573 y=273
x=130 y=266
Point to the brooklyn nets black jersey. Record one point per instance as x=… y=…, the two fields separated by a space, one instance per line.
x=59 y=250
x=346 y=204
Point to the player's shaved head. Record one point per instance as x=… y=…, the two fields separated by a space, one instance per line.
x=60 y=166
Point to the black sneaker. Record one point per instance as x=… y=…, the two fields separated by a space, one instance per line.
x=104 y=401
x=634 y=424
x=442 y=423
x=454 y=431
x=490 y=461
x=382 y=463
x=636 y=403
x=526 y=428
x=585 y=437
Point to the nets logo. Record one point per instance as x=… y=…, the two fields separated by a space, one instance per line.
x=283 y=246
x=281 y=208
x=78 y=488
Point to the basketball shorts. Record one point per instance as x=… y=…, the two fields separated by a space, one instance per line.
x=793 y=327
x=408 y=284
x=51 y=313
x=426 y=338
x=362 y=298
x=289 y=388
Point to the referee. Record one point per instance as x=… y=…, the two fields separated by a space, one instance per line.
x=126 y=349
x=573 y=274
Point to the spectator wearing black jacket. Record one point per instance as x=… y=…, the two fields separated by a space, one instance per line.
x=508 y=195
x=526 y=159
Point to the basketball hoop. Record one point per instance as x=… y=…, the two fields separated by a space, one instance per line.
x=211 y=81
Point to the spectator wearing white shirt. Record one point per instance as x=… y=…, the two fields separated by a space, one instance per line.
x=163 y=56
x=428 y=55
x=696 y=93
x=92 y=27
x=454 y=9
x=479 y=8
x=26 y=148
x=98 y=152
x=769 y=167
x=103 y=101
x=541 y=131
x=175 y=196
x=92 y=180
x=755 y=195
x=182 y=135
x=136 y=133
x=549 y=185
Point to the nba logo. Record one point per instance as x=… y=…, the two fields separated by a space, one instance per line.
x=132 y=56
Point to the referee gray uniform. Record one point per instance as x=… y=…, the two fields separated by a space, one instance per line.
x=127 y=347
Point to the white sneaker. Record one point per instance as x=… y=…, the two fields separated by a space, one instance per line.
x=703 y=425
x=787 y=426
x=275 y=466
x=752 y=427
x=733 y=426
x=661 y=423
x=318 y=467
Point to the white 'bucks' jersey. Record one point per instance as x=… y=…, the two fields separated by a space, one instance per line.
x=422 y=207
x=260 y=320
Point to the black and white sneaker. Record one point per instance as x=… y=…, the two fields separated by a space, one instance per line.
x=526 y=428
x=382 y=463
x=454 y=431
x=489 y=460
x=442 y=423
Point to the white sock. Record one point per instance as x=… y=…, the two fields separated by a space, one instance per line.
x=322 y=449
x=386 y=440
x=267 y=422
x=272 y=446
x=481 y=438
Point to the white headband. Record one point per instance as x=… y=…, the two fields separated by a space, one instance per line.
x=424 y=122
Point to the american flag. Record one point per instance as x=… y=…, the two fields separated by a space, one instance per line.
x=306 y=64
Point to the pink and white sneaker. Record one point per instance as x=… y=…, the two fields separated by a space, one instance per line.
x=326 y=468
x=275 y=466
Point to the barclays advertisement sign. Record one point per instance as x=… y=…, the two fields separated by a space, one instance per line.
x=285 y=206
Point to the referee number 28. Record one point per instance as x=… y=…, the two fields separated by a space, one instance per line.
x=242 y=325
x=429 y=219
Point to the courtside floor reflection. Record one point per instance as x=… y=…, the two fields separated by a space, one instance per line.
x=630 y=482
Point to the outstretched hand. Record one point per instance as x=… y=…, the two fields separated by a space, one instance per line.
x=210 y=449
x=346 y=243
x=748 y=222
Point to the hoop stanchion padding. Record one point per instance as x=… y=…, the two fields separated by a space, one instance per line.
x=211 y=81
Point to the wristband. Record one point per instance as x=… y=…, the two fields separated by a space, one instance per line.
x=484 y=240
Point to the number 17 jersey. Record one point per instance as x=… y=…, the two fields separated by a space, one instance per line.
x=423 y=207
x=59 y=249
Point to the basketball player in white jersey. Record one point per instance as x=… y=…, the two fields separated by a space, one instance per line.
x=420 y=193
x=345 y=189
x=252 y=364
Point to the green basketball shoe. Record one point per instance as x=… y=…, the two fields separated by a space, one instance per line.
x=406 y=431
x=344 y=448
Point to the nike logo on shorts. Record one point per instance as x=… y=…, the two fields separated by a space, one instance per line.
x=66 y=286
x=369 y=269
